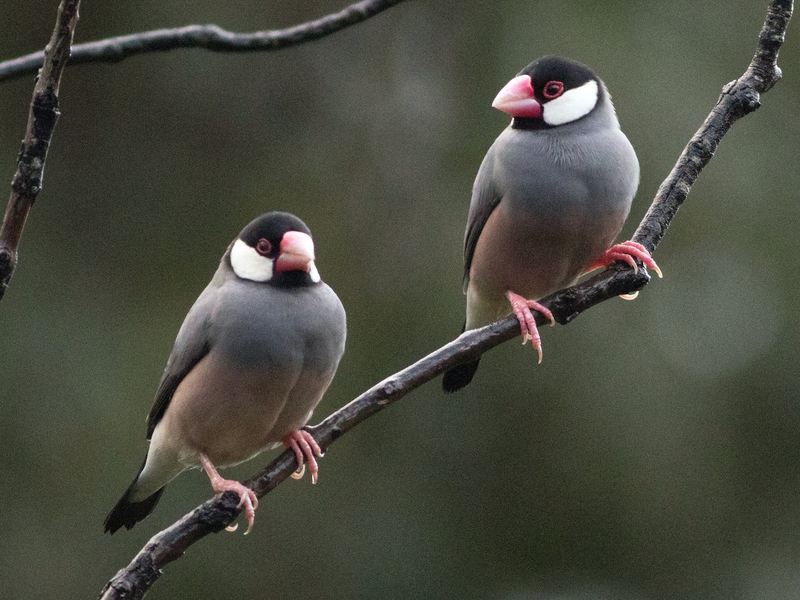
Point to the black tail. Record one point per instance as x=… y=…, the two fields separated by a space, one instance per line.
x=459 y=376
x=126 y=513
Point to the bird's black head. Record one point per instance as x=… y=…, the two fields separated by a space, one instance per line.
x=549 y=92
x=275 y=248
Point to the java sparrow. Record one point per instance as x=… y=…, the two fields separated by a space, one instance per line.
x=550 y=197
x=253 y=357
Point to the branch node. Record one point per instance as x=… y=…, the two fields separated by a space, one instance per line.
x=390 y=388
x=751 y=99
x=728 y=87
x=42 y=117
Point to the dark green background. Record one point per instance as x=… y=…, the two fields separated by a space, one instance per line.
x=654 y=454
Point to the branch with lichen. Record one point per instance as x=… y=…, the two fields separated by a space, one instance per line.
x=42 y=118
x=44 y=113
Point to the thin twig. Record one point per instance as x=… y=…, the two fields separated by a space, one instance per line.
x=44 y=108
x=42 y=118
x=738 y=98
x=210 y=37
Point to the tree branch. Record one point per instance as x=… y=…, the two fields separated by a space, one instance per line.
x=42 y=118
x=210 y=37
x=738 y=99
x=27 y=182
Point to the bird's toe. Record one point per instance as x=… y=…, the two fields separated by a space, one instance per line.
x=247 y=497
x=527 y=322
x=628 y=252
x=306 y=450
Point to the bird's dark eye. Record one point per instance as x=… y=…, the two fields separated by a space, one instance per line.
x=553 y=89
x=264 y=247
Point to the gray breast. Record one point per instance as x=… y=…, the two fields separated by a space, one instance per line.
x=564 y=197
x=273 y=354
x=546 y=172
x=286 y=328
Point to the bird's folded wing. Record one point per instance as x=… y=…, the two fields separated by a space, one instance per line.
x=191 y=345
x=485 y=198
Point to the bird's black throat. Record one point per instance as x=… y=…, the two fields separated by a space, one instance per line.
x=529 y=123
x=288 y=279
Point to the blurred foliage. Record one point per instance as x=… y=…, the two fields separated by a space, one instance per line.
x=654 y=453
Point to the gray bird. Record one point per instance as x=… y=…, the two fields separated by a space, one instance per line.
x=549 y=199
x=251 y=361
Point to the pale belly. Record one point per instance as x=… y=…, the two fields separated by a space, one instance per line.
x=533 y=258
x=231 y=415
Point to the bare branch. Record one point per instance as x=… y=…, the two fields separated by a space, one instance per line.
x=738 y=99
x=42 y=118
x=210 y=37
x=27 y=182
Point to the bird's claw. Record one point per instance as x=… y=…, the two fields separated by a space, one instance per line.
x=306 y=450
x=248 y=501
x=527 y=322
x=247 y=497
x=627 y=252
x=298 y=474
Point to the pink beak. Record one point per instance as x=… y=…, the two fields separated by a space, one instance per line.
x=297 y=252
x=516 y=98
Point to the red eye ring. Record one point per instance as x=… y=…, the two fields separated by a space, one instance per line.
x=264 y=247
x=552 y=89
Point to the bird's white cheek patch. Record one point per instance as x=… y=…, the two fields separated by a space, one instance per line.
x=571 y=105
x=313 y=272
x=249 y=264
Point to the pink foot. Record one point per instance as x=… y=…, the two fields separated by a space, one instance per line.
x=626 y=252
x=527 y=322
x=305 y=448
x=247 y=497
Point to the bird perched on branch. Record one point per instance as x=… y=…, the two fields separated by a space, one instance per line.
x=253 y=358
x=549 y=199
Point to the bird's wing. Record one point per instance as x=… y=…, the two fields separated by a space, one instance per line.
x=191 y=345
x=485 y=198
